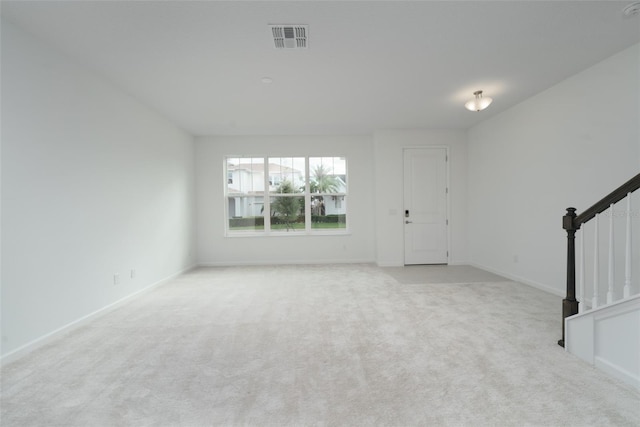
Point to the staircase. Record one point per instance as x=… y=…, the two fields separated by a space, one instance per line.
x=601 y=322
x=608 y=337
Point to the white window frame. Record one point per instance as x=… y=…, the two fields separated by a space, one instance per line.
x=267 y=195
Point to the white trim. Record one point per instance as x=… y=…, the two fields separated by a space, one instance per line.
x=299 y=232
x=608 y=306
x=307 y=197
x=458 y=262
x=582 y=338
x=51 y=336
x=400 y=264
x=288 y=262
x=616 y=371
x=519 y=279
x=390 y=264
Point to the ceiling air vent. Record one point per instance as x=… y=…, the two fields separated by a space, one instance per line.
x=290 y=36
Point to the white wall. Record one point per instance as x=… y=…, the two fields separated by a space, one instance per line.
x=216 y=249
x=567 y=146
x=93 y=184
x=388 y=152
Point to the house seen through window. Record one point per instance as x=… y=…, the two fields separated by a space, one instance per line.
x=274 y=195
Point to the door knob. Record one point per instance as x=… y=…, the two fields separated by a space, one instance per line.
x=408 y=222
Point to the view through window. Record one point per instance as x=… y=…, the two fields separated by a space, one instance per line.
x=274 y=195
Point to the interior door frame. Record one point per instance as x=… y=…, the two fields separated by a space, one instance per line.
x=448 y=198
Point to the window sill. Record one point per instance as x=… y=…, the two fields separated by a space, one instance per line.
x=232 y=234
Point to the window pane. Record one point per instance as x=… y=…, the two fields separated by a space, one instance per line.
x=328 y=186
x=245 y=175
x=246 y=213
x=327 y=175
x=286 y=174
x=328 y=212
x=287 y=213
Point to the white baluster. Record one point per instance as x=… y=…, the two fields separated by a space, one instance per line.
x=611 y=261
x=596 y=261
x=627 y=262
x=581 y=306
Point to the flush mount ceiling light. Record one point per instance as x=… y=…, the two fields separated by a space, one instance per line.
x=478 y=103
x=632 y=9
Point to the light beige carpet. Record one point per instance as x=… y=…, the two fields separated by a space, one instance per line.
x=338 y=345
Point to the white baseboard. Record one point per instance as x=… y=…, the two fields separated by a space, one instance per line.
x=519 y=279
x=401 y=263
x=271 y=262
x=458 y=263
x=617 y=372
x=389 y=264
x=306 y=262
x=51 y=336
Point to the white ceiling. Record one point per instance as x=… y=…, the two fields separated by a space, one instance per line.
x=369 y=65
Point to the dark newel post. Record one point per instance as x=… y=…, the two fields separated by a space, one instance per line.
x=570 y=304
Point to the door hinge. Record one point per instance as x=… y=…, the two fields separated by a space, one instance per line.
x=447 y=254
x=447 y=190
x=447 y=222
x=446 y=158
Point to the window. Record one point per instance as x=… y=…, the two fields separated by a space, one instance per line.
x=338 y=201
x=279 y=195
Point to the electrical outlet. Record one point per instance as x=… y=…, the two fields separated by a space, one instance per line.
x=133 y=273
x=516 y=259
x=116 y=279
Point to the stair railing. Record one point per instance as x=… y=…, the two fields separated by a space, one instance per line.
x=572 y=222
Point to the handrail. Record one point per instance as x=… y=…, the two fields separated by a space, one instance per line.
x=571 y=222
x=614 y=197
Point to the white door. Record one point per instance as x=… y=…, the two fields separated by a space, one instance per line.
x=425 y=206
